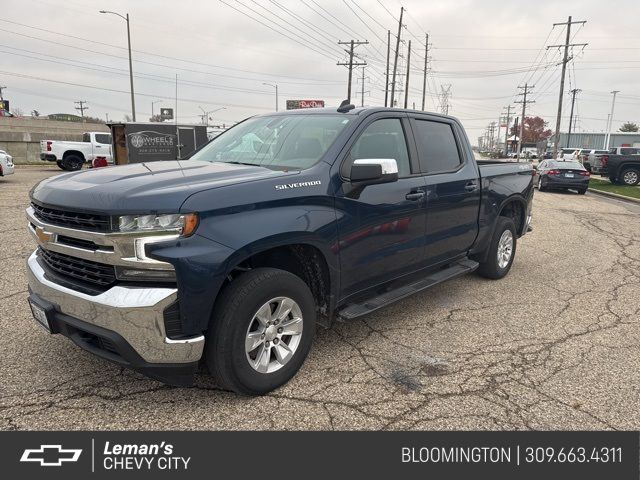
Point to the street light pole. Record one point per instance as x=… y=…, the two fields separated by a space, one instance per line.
x=126 y=19
x=276 y=87
x=613 y=104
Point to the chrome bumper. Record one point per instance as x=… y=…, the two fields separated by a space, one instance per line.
x=135 y=313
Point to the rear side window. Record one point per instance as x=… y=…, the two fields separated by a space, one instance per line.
x=103 y=138
x=437 y=148
x=86 y=137
x=628 y=151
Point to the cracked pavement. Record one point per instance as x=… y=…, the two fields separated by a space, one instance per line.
x=554 y=345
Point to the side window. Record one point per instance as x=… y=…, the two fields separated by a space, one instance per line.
x=437 y=146
x=104 y=138
x=86 y=137
x=383 y=139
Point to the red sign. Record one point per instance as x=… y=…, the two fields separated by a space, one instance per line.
x=295 y=104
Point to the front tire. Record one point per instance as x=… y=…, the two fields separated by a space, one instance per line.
x=502 y=250
x=261 y=331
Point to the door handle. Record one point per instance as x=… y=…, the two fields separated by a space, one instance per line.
x=471 y=186
x=414 y=196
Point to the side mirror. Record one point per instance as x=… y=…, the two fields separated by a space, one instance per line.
x=374 y=170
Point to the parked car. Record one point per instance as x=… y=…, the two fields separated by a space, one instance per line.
x=621 y=168
x=233 y=256
x=562 y=175
x=6 y=164
x=72 y=155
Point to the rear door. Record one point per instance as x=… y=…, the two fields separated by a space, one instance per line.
x=453 y=187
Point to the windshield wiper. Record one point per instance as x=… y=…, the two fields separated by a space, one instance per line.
x=243 y=163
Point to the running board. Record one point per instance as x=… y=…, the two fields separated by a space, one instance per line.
x=355 y=310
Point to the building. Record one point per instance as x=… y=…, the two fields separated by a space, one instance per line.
x=596 y=140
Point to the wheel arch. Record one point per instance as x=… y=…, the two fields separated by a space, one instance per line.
x=78 y=153
x=304 y=256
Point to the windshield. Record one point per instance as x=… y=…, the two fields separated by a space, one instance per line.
x=292 y=142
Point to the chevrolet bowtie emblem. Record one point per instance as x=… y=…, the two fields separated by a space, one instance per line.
x=43 y=235
x=50 y=455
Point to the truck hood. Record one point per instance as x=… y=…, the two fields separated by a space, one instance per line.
x=161 y=186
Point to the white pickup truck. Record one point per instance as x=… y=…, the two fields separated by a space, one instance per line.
x=72 y=155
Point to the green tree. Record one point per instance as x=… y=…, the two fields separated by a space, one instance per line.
x=629 y=127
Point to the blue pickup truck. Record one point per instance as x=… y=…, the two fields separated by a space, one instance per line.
x=284 y=222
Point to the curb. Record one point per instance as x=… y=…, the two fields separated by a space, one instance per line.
x=614 y=195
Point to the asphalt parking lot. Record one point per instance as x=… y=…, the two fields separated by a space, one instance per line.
x=554 y=345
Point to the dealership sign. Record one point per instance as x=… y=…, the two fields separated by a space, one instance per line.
x=145 y=143
x=295 y=104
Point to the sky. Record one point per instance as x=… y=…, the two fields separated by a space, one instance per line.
x=231 y=53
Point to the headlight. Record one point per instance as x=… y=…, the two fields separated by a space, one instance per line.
x=185 y=223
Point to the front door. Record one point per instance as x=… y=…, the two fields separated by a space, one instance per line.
x=380 y=227
x=453 y=188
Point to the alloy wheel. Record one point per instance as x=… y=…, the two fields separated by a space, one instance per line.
x=274 y=335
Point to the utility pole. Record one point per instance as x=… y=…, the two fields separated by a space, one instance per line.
x=351 y=63
x=1 y=97
x=395 y=60
x=565 y=60
x=81 y=107
x=386 y=84
x=525 y=91
x=362 y=91
x=573 y=101
x=406 y=88
x=424 y=77
x=506 y=135
x=613 y=104
x=492 y=128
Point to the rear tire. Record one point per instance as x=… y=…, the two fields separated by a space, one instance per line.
x=245 y=308
x=630 y=176
x=61 y=165
x=502 y=250
x=72 y=163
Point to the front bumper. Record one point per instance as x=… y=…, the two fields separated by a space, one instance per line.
x=130 y=316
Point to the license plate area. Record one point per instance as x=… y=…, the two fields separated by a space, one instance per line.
x=40 y=316
x=569 y=175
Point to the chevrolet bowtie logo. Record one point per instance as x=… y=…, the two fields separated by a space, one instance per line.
x=50 y=455
x=43 y=235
